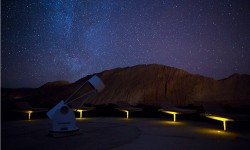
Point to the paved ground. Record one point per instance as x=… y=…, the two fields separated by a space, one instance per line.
x=121 y=134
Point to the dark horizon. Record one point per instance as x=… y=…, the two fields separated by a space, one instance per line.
x=45 y=41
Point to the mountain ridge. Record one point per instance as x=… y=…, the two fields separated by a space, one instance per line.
x=144 y=84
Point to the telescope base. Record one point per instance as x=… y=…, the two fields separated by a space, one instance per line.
x=58 y=134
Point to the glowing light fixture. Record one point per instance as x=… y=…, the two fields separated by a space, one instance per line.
x=171 y=112
x=126 y=111
x=80 y=111
x=29 y=112
x=223 y=119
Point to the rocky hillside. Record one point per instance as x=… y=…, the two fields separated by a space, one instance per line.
x=143 y=84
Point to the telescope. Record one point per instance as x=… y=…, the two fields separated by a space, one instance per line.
x=63 y=117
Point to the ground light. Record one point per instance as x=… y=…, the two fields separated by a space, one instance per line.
x=214 y=133
x=24 y=107
x=29 y=112
x=80 y=111
x=171 y=112
x=223 y=119
x=126 y=111
x=171 y=123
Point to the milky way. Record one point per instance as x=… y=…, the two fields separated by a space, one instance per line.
x=49 y=40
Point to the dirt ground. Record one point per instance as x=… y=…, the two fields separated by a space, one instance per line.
x=121 y=134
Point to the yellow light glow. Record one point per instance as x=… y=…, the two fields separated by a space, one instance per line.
x=80 y=111
x=80 y=119
x=126 y=111
x=171 y=112
x=214 y=133
x=29 y=113
x=223 y=119
x=172 y=123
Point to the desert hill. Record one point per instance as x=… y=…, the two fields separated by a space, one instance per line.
x=54 y=84
x=143 y=84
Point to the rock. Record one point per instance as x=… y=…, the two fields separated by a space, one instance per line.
x=151 y=85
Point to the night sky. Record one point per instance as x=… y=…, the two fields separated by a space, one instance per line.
x=49 y=40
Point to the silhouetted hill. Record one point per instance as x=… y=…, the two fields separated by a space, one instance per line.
x=55 y=84
x=143 y=84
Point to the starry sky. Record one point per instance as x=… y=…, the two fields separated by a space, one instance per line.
x=49 y=40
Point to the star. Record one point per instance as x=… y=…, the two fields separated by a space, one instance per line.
x=44 y=40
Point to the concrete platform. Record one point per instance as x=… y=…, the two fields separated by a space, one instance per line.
x=121 y=134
